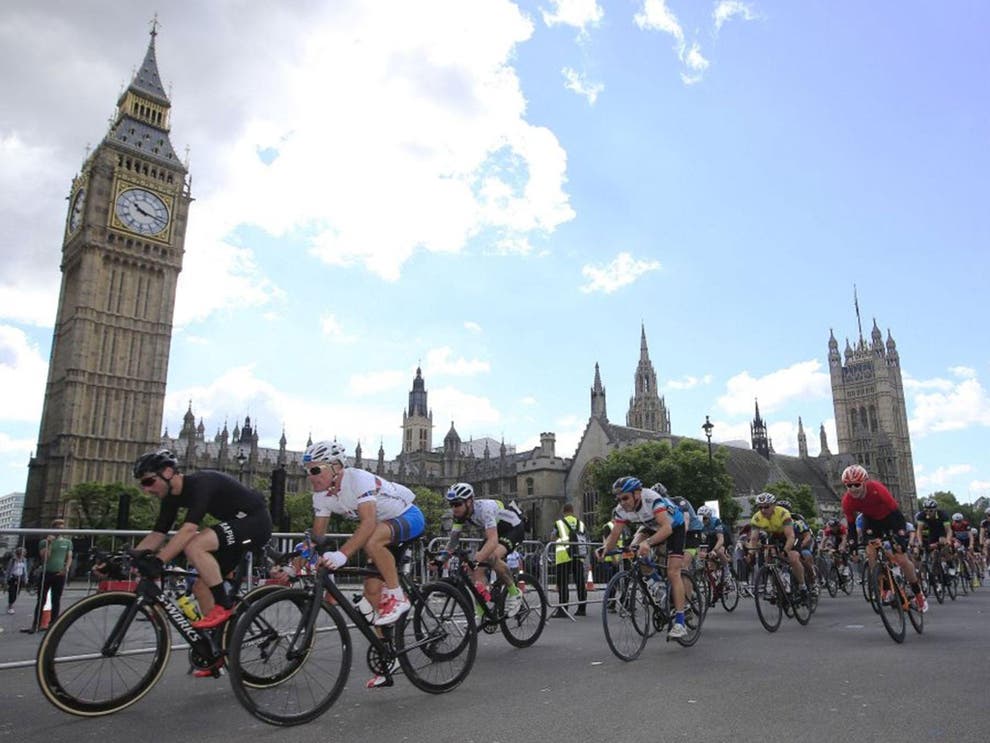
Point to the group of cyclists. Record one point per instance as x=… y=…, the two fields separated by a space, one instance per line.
x=662 y=526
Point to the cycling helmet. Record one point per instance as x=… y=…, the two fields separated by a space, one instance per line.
x=957 y=517
x=854 y=474
x=154 y=462
x=833 y=523
x=706 y=512
x=929 y=504
x=785 y=504
x=660 y=489
x=324 y=452
x=460 y=491
x=626 y=485
x=765 y=499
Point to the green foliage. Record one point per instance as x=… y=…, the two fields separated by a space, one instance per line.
x=96 y=503
x=299 y=507
x=684 y=470
x=972 y=512
x=434 y=506
x=800 y=496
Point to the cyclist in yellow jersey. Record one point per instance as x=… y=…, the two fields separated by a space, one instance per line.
x=776 y=522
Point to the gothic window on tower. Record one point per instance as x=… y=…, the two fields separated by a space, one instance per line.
x=529 y=486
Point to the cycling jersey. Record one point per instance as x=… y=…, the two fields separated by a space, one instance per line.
x=712 y=528
x=650 y=504
x=358 y=486
x=876 y=504
x=212 y=493
x=932 y=526
x=960 y=530
x=774 y=525
x=486 y=514
x=834 y=535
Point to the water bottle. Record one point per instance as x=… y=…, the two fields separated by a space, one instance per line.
x=364 y=606
x=483 y=591
x=188 y=607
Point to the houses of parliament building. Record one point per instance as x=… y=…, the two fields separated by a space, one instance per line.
x=122 y=254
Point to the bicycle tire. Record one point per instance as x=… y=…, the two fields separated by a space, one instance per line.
x=525 y=628
x=950 y=586
x=730 y=594
x=626 y=616
x=963 y=574
x=693 y=616
x=915 y=614
x=77 y=677
x=298 y=690
x=891 y=612
x=768 y=596
x=436 y=641
x=802 y=607
x=832 y=581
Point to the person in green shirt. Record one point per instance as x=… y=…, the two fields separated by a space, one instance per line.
x=55 y=552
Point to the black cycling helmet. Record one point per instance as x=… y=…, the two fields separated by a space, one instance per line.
x=154 y=462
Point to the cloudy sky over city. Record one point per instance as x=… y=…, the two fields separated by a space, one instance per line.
x=504 y=193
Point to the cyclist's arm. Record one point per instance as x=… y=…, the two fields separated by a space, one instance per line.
x=320 y=524
x=789 y=537
x=455 y=537
x=368 y=515
x=664 y=529
x=178 y=543
x=610 y=541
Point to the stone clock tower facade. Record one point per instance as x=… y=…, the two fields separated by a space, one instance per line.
x=121 y=256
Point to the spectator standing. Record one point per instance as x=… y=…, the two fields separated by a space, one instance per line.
x=569 y=561
x=17 y=575
x=55 y=556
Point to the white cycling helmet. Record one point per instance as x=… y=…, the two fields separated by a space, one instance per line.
x=324 y=452
x=460 y=491
x=957 y=517
x=706 y=511
x=766 y=499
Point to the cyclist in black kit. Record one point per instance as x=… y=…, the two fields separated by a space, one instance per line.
x=214 y=552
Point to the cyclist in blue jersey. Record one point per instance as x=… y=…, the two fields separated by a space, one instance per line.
x=660 y=523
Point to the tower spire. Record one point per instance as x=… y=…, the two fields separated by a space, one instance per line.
x=859 y=321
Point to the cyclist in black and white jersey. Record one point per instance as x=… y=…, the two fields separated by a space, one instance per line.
x=504 y=530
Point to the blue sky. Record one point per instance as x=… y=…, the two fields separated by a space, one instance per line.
x=503 y=192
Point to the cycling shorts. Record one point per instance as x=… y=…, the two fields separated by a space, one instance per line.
x=237 y=536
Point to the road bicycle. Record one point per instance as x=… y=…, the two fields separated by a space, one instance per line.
x=888 y=593
x=108 y=650
x=720 y=584
x=776 y=592
x=523 y=628
x=637 y=605
x=304 y=645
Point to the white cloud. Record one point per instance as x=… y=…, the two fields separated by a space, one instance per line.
x=577 y=13
x=941 y=478
x=688 y=382
x=23 y=372
x=696 y=64
x=472 y=326
x=621 y=271
x=468 y=412
x=567 y=433
x=371 y=383
x=528 y=401
x=953 y=405
x=439 y=361
x=333 y=329
x=656 y=16
x=801 y=380
x=577 y=82
x=727 y=9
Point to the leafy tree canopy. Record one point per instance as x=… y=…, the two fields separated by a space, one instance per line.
x=684 y=470
x=800 y=496
x=97 y=503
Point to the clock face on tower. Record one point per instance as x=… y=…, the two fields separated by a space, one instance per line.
x=76 y=210
x=142 y=211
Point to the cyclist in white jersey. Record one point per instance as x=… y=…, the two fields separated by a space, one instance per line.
x=504 y=530
x=386 y=515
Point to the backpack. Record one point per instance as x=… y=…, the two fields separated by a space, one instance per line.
x=580 y=536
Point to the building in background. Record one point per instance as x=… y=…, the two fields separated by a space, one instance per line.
x=11 y=506
x=121 y=257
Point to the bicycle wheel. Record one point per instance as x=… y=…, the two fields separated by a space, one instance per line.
x=436 y=640
x=525 y=628
x=301 y=674
x=730 y=593
x=694 y=617
x=888 y=602
x=802 y=605
x=80 y=675
x=245 y=601
x=846 y=580
x=914 y=613
x=627 y=616
x=951 y=581
x=832 y=581
x=767 y=594
x=964 y=579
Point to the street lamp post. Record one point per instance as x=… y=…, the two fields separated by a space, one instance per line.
x=241 y=459
x=708 y=435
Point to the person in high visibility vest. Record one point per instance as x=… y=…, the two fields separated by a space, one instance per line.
x=612 y=562
x=569 y=561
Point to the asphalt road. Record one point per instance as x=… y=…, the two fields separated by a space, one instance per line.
x=841 y=678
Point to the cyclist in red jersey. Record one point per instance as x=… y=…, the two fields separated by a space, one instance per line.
x=882 y=517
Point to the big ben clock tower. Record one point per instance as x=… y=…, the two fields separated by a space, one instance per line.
x=121 y=256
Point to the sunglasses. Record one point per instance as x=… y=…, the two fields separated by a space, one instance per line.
x=455 y=503
x=317 y=469
x=147 y=482
x=767 y=505
x=854 y=485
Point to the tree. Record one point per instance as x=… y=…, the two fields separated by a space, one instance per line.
x=97 y=503
x=800 y=496
x=972 y=512
x=683 y=470
x=434 y=508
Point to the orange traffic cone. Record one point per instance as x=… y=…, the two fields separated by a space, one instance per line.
x=590 y=584
x=46 y=613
